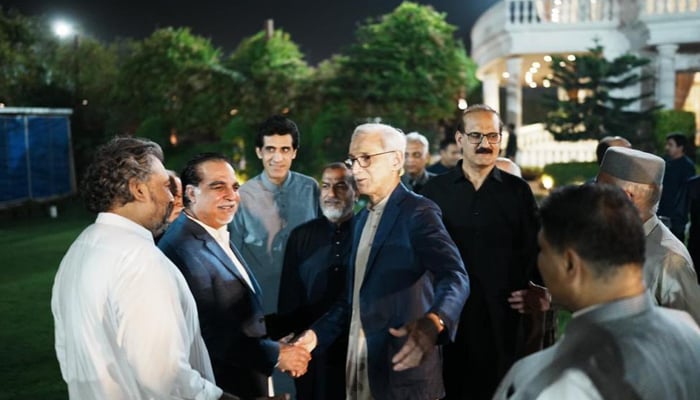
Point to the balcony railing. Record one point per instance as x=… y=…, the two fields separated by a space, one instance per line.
x=670 y=7
x=527 y=12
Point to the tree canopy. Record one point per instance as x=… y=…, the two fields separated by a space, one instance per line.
x=406 y=68
x=592 y=102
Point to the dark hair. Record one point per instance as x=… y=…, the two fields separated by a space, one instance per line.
x=444 y=143
x=190 y=174
x=680 y=139
x=341 y=166
x=278 y=125
x=478 y=108
x=106 y=181
x=598 y=221
x=172 y=176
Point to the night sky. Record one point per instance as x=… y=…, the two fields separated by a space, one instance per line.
x=320 y=27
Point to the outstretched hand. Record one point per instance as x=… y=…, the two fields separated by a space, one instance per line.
x=422 y=336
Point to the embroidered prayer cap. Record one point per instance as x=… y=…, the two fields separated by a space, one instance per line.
x=633 y=165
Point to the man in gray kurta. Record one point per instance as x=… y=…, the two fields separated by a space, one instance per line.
x=668 y=269
x=618 y=344
x=273 y=203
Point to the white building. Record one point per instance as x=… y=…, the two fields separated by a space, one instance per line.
x=512 y=42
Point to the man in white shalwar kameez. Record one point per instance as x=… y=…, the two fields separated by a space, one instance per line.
x=126 y=324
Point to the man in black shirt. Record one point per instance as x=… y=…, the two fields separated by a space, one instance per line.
x=313 y=275
x=491 y=216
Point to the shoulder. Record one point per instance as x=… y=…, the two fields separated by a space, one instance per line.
x=308 y=226
x=251 y=185
x=302 y=180
x=438 y=183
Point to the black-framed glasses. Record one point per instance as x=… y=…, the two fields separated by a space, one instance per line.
x=364 y=160
x=478 y=137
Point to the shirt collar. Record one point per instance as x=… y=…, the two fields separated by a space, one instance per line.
x=650 y=224
x=220 y=235
x=458 y=173
x=267 y=183
x=109 y=218
x=379 y=207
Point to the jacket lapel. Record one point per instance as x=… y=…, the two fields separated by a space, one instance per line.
x=215 y=249
x=386 y=223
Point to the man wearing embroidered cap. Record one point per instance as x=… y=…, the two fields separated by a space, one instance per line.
x=668 y=269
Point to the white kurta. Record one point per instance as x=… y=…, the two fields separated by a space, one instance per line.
x=126 y=324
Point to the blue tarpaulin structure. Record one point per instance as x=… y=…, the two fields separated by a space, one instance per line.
x=36 y=155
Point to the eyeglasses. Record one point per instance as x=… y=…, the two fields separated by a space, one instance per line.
x=478 y=137
x=364 y=160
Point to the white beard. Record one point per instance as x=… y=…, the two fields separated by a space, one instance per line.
x=333 y=214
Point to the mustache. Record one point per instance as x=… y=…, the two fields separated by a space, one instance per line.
x=483 y=150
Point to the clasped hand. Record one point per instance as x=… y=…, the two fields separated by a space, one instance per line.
x=295 y=355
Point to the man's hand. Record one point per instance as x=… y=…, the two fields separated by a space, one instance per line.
x=422 y=336
x=307 y=340
x=535 y=298
x=293 y=359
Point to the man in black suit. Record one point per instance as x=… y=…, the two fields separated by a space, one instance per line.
x=227 y=294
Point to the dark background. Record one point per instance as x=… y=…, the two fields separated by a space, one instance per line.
x=320 y=27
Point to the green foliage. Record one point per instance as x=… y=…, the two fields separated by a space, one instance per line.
x=571 y=173
x=273 y=73
x=177 y=77
x=603 y=112
x=670 y=121
x=406 y=68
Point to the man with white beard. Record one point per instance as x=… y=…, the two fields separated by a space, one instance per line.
x=314 y=273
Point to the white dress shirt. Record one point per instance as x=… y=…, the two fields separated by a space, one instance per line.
x=126 y=324
x=222 y=238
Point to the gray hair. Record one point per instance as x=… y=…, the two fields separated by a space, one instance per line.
x=417 y=137
x=392 y=138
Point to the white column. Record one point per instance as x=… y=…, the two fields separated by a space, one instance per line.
x=489 y=89
x=666 y=75
x=514 y=92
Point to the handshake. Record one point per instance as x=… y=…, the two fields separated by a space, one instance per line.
x=295 y=353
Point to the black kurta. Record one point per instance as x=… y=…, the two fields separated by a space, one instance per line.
x=495 y=229
x=314 y=274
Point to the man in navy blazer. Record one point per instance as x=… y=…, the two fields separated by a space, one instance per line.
x=227 y=295
x=406 y=285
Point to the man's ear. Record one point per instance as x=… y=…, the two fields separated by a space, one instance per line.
x=258 y=151
x=138 y=189
x=190 y=192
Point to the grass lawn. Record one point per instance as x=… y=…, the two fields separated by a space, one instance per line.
x=31 y=246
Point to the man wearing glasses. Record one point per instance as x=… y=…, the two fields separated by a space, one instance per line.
x=491 y=217
x=406 y=286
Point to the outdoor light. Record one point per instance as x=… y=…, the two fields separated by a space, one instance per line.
x=63 y=29
x=462 y=104
x=547 y=182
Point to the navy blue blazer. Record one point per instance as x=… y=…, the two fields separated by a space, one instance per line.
x=413 y=268
x=230 y=314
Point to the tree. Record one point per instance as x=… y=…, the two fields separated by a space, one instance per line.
x=406 y=68
x=273 y=75
x=592 y=105
x=174 y=80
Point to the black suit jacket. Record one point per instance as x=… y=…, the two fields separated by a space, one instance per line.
x=230 y=313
